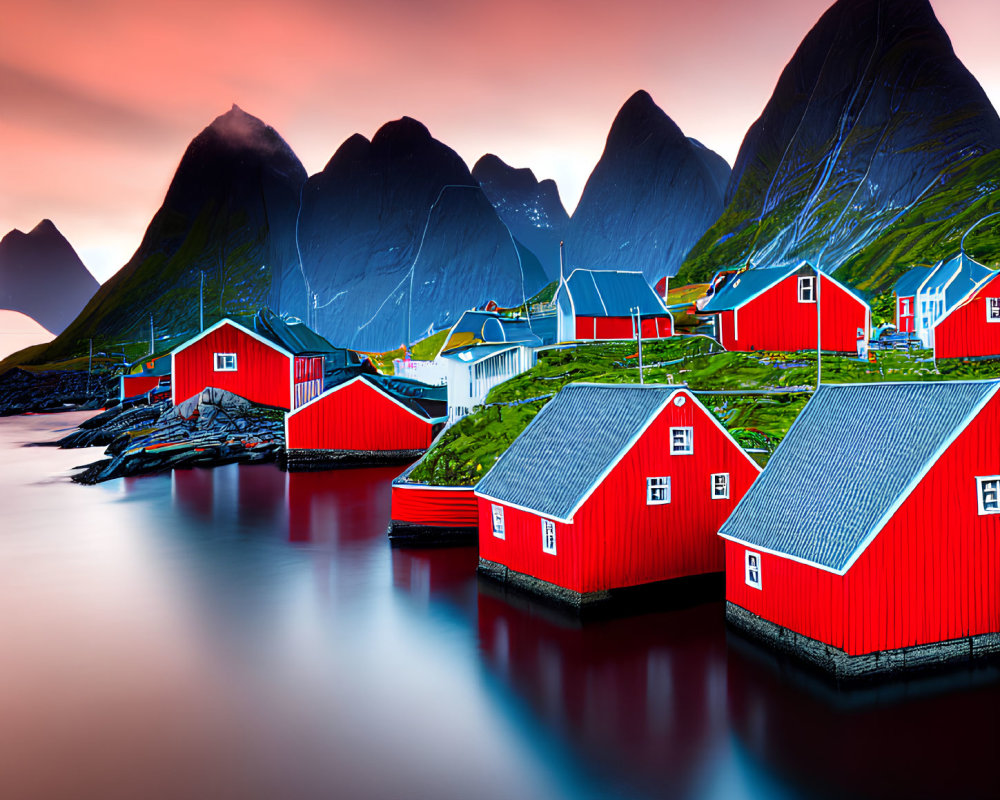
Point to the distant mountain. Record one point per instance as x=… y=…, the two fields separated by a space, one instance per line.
x=875 y=151
x=42 y=276
x=529 y=207
x=651 y=196
x=396 y=238
x=229 y=215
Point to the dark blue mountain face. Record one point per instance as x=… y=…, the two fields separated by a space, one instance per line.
x=396 y=238
x=42 y=276
x=873 y=116
x=225 y=233
x=651 y=196
x=529 y=207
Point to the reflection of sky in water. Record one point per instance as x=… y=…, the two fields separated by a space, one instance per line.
x=245 y=632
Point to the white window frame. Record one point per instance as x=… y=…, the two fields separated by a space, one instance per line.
x=659 y=484
x=221 y=360
x=993 y=309
x=746 y=572
x=807 y=288
x=904 y=307
x=674 y=449
x=548 y=529
x=725 y=493
x=498 y=522
x=982 y=487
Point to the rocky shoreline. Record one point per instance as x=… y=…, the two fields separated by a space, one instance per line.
x=23 y=391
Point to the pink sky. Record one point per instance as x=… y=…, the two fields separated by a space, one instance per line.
x=99 y=100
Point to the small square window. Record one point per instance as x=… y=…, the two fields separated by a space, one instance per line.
x=993 y=309
x=753 y=569
x=681 y=441
x=498 y=529
x=720 y=486
x=225 y=362
x=548 y=537
x=807 y=289
x=988 y=494
x=657 y=491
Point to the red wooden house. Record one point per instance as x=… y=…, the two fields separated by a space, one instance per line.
x=611 y=486
x=775 y=309
x=432 y=515
x=972 y=328
x=871 y=542
x=604 y=304
x=906 y=289
x=277 y=364
x=367 y=421
x=144 y=377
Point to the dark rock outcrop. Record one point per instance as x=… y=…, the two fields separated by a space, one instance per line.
x=42 y=276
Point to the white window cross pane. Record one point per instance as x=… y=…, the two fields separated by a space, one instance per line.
x=681 y=440
x=720 y=485
x=548 y=536
x=498 y=527
x=657 y=490
x=225 y=362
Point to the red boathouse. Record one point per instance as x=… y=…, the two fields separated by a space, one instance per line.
x=144 y=377
x=775 y=309
x=972 y=328
x=366 y=421
x=611 y=486
x=277 y=365
x=603 y=304
x=871 y=543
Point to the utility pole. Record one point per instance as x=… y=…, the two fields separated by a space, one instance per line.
x=152 y=341
x=638 y=332
x=201 y=303
x=90 y=363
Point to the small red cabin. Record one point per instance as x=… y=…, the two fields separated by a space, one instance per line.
x=775 y=309
x=611 y=486
x=432 y=515
x=255 y=365
x=604 y=304
x=972 y=328
x=366 y=421
x=871 y=542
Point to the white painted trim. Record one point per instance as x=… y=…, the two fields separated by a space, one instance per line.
x=746 y=570
x=173 y=380
x=227 y=321
x=235 y=367
x=778 y=553
x=736 y=326
x=711 y=486
x=775 y=282
x=435 y=488
x=980 y=480
x=690 y=430
x=501 y=532
x=374 y=386
x=548 y=526
x=665 y=486
x=121 y=388
x=565 y=520
x=812 y=288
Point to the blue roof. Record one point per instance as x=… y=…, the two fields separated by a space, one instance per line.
x=966 y=273
x=611 y=293
x=744 y=286
x=910 y=281
x=567 y=448
x=853 y=453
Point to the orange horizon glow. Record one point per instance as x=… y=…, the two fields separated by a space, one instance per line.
x=100 y=100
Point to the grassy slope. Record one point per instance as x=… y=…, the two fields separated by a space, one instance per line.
x=469 y=448
x=930 y=231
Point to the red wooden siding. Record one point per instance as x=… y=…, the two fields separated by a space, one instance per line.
x=438 y=507
x=357 y=416
x=965 y=332
x=263 y=374
x=617 y=540
x=904 y=322
x=929 y=576
x=133 y=385
x=776 y=320
x=621 y=328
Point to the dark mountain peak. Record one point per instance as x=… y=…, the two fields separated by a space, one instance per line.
x=354 y=149
x=45 y=228
x=493 y=168
x=405 y=134
x=641 y=120
x=239 y=131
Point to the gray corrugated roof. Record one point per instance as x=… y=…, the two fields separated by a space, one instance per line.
x=296 y=337
x=569 y=445
x=849 y=456
x=612 y=293
x=908 y=284
x=740 y=288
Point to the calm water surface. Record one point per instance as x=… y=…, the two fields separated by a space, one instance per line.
x=241 y=633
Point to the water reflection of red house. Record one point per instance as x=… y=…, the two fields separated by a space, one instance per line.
x=448 y=572
x=926 y=737
x=643 y=695
x=337 y=506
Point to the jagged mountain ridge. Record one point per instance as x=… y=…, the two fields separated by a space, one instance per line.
x=397 y=238
x=42 y=276
x=651 y=196
x=874 y=127
x=229 y=214
x=531 y=208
